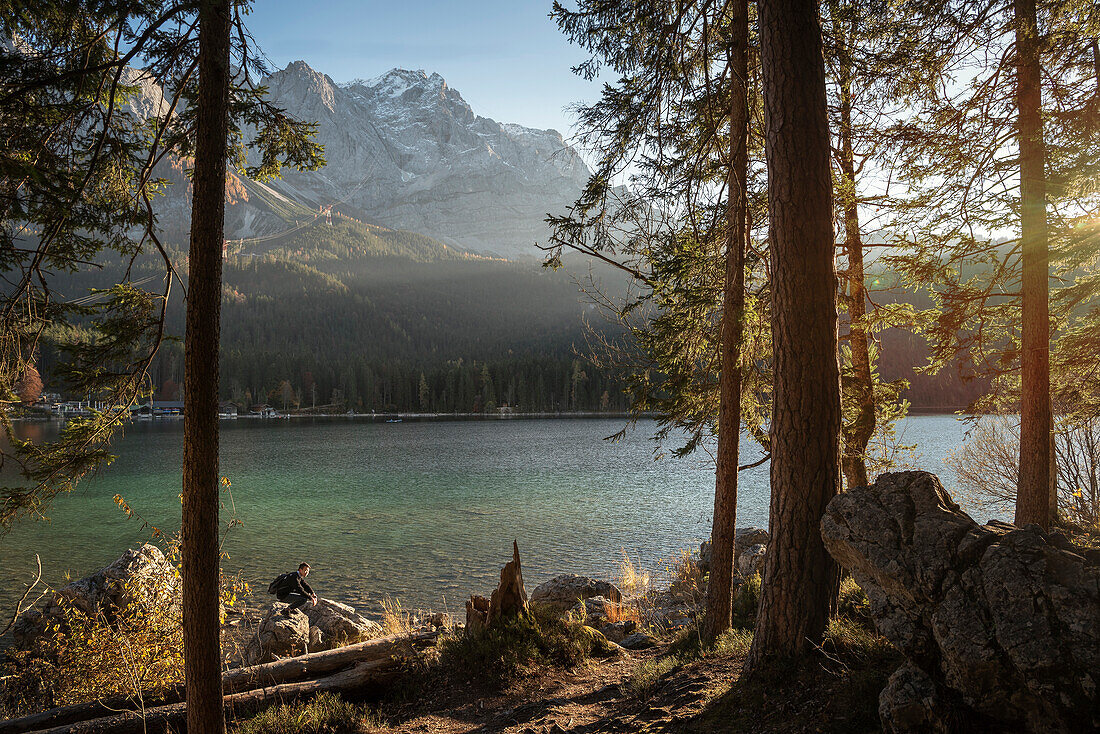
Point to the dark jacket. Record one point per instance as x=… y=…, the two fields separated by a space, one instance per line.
x=290 y=583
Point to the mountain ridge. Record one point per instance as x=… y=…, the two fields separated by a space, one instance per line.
x=405 y=151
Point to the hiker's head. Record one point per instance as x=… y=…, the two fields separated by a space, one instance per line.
x=303 y=569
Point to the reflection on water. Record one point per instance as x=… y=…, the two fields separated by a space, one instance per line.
x=422 y=511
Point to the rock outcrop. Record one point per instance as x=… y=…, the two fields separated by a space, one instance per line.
x=998 y=624
x=339 y=625
x=278 y=636
x=751 y=560
x=140 y=580
x=564 y=591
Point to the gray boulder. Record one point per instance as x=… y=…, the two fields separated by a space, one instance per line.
x=619 y=631
x=743 y=539
x=912 y=702
x=1005 y=621
x=638 y=641
x=752 y=560
x=140 y=580
x=278 y=636
x=563 y=591
x=339 y=624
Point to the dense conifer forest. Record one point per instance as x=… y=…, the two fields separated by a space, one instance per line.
x=357 y=317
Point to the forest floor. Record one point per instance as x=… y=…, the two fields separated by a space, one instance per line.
x=703 y=695
x=655 y=690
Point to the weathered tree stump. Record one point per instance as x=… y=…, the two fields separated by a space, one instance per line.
x=508 y=600
x=477 y=614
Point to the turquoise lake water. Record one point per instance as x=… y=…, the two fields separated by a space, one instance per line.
x=421 y=511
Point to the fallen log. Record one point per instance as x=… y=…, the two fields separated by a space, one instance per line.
x=322 y=663
x=174 y=716
x=299 y=668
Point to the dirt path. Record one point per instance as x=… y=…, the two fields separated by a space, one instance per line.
x=595 y=697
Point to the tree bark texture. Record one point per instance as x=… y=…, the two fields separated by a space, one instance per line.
x=800 y=578
x=858 y=435
x=201 y=646
x=719 y=610
x=1033 y=496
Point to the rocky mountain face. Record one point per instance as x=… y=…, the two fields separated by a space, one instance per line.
x=406 y=151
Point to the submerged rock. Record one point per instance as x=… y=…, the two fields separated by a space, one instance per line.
x=1005 y=621
x=566 y=590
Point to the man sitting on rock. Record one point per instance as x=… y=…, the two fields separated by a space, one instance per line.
x=291 y=588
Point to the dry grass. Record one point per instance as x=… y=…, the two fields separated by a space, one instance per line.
x=685 y=579
x=325 y=714
x=396 y=620
x=632 y=580
x=627 y=612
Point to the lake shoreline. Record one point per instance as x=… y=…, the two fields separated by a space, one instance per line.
x=418 y=510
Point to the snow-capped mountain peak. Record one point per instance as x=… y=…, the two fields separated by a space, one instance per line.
x=408 y=151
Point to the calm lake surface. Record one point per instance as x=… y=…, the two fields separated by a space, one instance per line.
x=424 y=512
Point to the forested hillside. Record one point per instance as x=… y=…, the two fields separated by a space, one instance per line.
x=366 y=318
x=361 y=317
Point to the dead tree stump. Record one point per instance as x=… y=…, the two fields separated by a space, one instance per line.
x=508 y=600
x=477 y=614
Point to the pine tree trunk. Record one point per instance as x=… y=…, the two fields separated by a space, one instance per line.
x=201 y=647
x=719 y=610
x=859 y=433
x=1033 y=497
x=800 y=578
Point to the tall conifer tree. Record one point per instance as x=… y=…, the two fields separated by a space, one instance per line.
x=800 y=578
x=201 y=553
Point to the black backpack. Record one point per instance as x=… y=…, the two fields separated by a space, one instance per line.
x=282 y=584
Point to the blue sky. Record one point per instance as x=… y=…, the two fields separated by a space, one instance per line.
x=507 y=59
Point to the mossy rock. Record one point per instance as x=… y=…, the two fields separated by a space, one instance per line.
x=601 y=646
